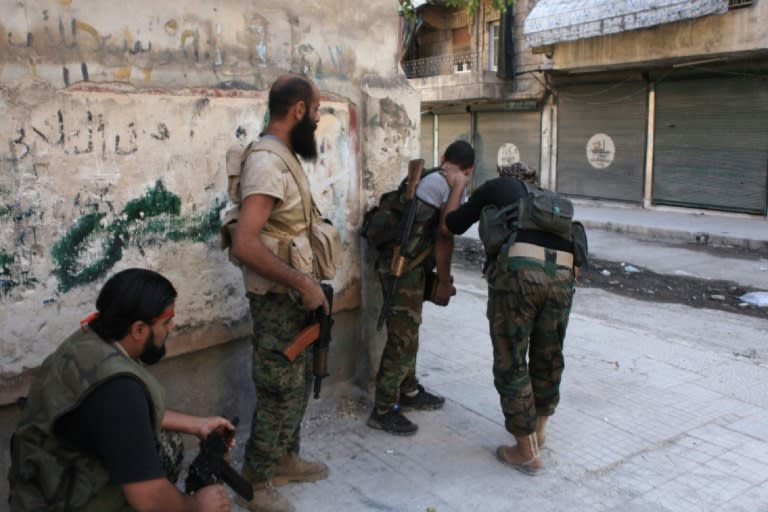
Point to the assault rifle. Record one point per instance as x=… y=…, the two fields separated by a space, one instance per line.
x=210 y=467
x=415 y=168
x=318 y=332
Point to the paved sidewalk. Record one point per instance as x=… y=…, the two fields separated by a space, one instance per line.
x=745 y=231
x=663 y=407
x=649 y=420
x=678 y=224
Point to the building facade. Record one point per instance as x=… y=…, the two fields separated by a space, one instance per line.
x=655 y=103
x=477 y=82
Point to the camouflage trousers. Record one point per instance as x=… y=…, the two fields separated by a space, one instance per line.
x=528 y=308
x=282 y=387
x=397 y=370
x=170 y=447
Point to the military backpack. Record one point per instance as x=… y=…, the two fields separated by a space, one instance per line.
x=541 y=210
x=383 y=224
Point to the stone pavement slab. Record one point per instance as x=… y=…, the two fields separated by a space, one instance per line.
x=654 y=417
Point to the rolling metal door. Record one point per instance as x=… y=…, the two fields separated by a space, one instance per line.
x=711 y=147
x=516 y=135
x=601 y=140
x=427 y=140
x=452 y=127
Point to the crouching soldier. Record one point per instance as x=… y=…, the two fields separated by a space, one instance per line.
x=94 y=433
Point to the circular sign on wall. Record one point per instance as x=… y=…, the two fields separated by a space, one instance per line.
x=507 y=154
x=600 y=151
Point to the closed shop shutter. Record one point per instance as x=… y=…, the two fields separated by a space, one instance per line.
x=516 y=134
x=426 y=140
x=452 y=127
x=601 y=140
x=711 y=148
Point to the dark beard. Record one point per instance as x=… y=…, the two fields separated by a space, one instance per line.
x=151 y=353
x=303 y=138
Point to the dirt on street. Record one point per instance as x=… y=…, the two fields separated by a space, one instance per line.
x=625 y=278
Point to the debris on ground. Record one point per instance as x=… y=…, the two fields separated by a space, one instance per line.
x=759 y=299
x=680 y=287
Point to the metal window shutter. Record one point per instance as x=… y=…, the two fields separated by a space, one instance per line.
x=617 y=110
x=494 y=129
x=712 y=144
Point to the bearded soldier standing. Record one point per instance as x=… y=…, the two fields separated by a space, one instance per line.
x=270 y=241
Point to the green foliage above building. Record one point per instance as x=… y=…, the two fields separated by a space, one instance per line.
x=409 y=7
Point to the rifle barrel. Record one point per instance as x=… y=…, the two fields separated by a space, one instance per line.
x=387 y=301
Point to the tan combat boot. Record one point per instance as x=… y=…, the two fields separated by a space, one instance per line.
x=524 y=456
x=541 y=425
x=292 y=468
x=265 y=497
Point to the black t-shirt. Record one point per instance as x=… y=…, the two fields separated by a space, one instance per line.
x=114 y=423
x=501 y=191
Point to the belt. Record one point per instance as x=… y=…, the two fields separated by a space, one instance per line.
x=536 y=252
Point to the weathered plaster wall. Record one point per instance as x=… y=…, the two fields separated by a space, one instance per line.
x=739 y=31
x=115 y=126
x=195 y=42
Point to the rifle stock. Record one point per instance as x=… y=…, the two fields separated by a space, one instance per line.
x=415 y=168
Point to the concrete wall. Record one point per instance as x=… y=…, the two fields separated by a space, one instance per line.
x=116 y=120
x=737 y=32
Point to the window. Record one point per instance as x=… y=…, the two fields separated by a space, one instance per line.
x=493 y=45
x=462 y=64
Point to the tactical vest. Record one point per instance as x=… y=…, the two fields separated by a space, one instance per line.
x=46 y=473
x=299 y=236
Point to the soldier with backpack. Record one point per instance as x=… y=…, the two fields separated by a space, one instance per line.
x=534 y=251
x=430 y=246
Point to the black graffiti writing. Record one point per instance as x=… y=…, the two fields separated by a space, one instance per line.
x=80 y=138
x=25 y=44
x=162 y=132
x=132 y=146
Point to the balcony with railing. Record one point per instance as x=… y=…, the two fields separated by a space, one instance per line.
x=442 y=65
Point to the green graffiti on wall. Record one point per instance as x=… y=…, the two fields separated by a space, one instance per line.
x=92 y=246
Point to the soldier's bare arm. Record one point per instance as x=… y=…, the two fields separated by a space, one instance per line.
x=248 y=248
